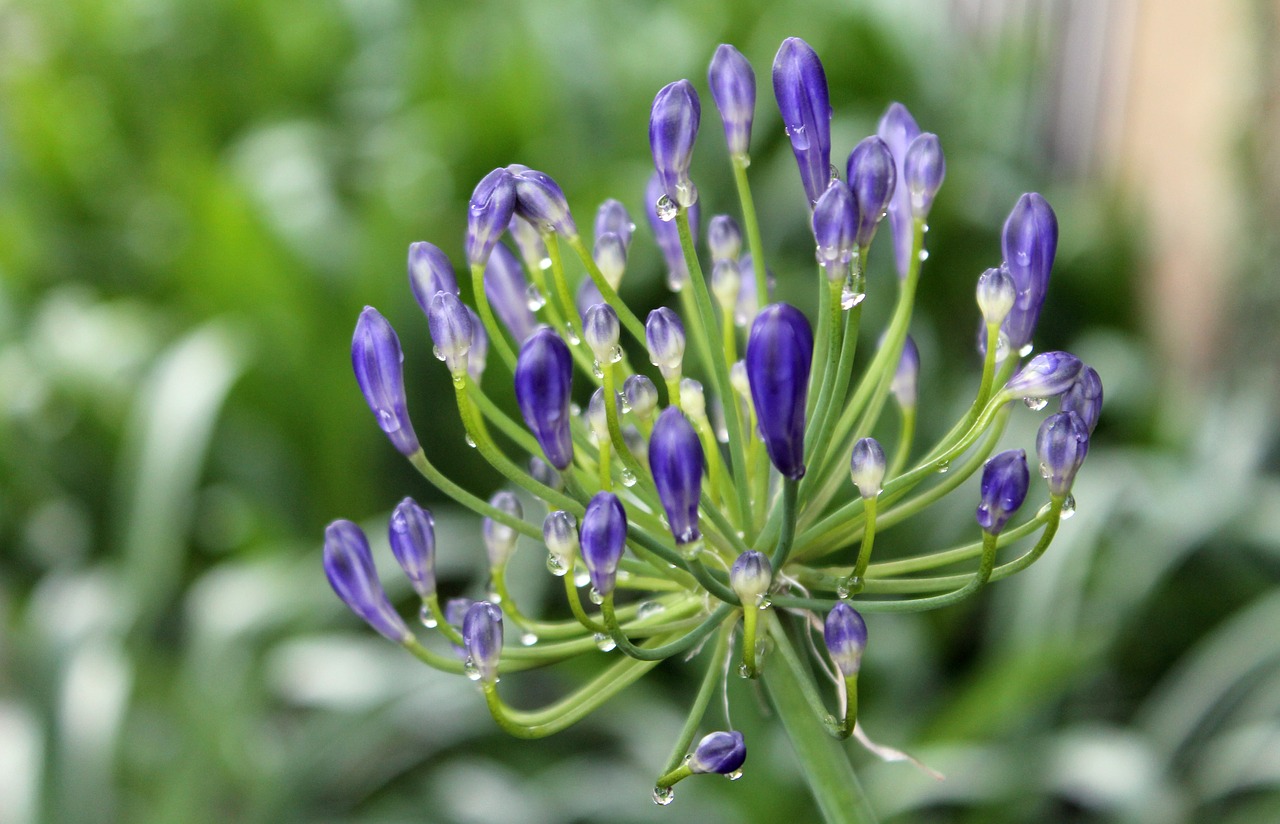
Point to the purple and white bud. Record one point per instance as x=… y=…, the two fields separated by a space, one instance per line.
x=603 y=537
x=451 y=331
x=923 y=171
x=1005 y=479
x=429 y=272
x=1061 y=444
x=540 y=201
x=560 y=534
x=724 y=238
x=800 y=86
x=489 y=214
x=544 y=383
x=413 y=542
x=667 y=234
x=530 y=243
x=898 y=129
x=1048 y=374
x=482 y=635
x=845 y=634
x=508 y=292
x=835 y=228
x=1084 y=397
x=612 y=218
x=1029 y=243
x=996 y=295
x=500 y=539
x=348 y=564
x=872 y=175
x=640 y=396
x=601 y=329
x=598 y=416
x=719 y=753
x=378 y=361
x=779 y=352
x=478 y=355
x=907 y=376
x=733 y=87
x=673 y=128
x=726 y=281
x=750 y=577
x=664 y=337
x=610 y=255
x=692 y=399
x=867 y=467
x=676 y=461
x=588 y=295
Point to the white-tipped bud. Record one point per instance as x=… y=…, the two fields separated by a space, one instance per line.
x=641 y=396
x=726 y=280
x=738 y=379
x=664 y=337
x=867 y=467
x=597 y=416
x=499 y=538
x=692 y=400
x=560 y=534
x=750 y=577
x=611 y=257
x=600 y=329
x=996 y=295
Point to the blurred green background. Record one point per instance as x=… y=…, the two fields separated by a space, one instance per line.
x=198 y=196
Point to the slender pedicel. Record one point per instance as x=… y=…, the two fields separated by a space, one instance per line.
x=413 y=542
x=378 y=360
x=800 y=86
x=733 y=87
x=348 y=563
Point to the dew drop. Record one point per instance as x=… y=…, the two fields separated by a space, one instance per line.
x=426 y=617
x=570 y=335
x=843 y=590
x=833 y=173
x=924 y=255
x=387 y=421
x=604 y=643
x=534 y=298
x=615 y=354
x=624 y=406
x=595 y=596
x=692 y=549
x=831 y=721
x=470 y=669
x=1068 y=507
x=675 y=281
x=765 y=602
x=575 y=410
x=743 y=671
x=555 y=567
x=662 y=796
x=438 y=352
x=545 y=264
x=666 y=209
x=1036 y=404
x=944 y=467
x=1025 y=350
x=628 y=477
x=736 y=774
x=528 y=639
x=471 y=442
x=1044 y=470
x=925 y=228
x=597 y=370
x=649 y=609
x=850 y=298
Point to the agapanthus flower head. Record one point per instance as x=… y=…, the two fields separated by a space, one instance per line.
x=664 y=337
x=676 y=461
x=779 y=351
x=540 y=200
x=724 y=238
x=377 y=360
x=1061 y=444
x=508 y=292
x=612 y=218
x=451 y=330
x=835 y=228
x=719 y=753
x=610 y=254
x=544 y=384
x=898 y=129
x=489 y=213
x=413 y=542
x=499 y=538
x=666 y=233
x=482 y=634
x=872 y=176
x=750 y=577
x=907 y=376
x=560 y=534
x=845 y=635
x=996 y=294
x=733 y=87
x=800 y=86
x=867 y=466
x=640 y=396
x=673 y=128
x=429 y=272
x=923 y=170
x=478 y=354
x=603 y=537
x=726 y=281
x=1005 y=479
x=1047 y=374
x=1084 y=397
x=348 y=563
x=1029 y=242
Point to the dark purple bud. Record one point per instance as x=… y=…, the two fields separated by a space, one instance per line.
x=726 y=281
x=378 y=363
x=478 y=355
x=835 y=227
x=603 y=537
x=871 y=175
x=348 y=563
x=867 y=466
x=529 y=242
x=560 y=534
x=1084 y=398
x=612 y=218
x=508 y=292
x=544 y=381
x=676 y=461
x=664 y=337
x=779 y=351
x=673 y=127
x=996 y=294
x=588 y=295
x=429 y=272
x=1005 y=479
x=600 y=330
x=1048 y=374
x=540 y=201
x=751 y=576
x=667 y=235
x=1029 y=242
x=898 y=129
x=482 y=633
x=906 y=378
x=724 y=238
x=452 y=331
x=640 y=396
x=610 y=256
x=1062 y=443
x=733 y=87
x=500 y=539
x=413 y=542
x=845 y=634
x=800 y=85
x=720 y=753
x=923 y=171
x=455 y=613
x=489 y=213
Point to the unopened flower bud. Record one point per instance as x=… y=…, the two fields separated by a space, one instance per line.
x=451 y=331
x=779 y=351
x=750 y=577
x=429 y=272
x=478 y=354
x=545 y=474
x=348 y=564
x=726 y=280
x=499 y=538
x=610 y=255
x=413 y=542
x=508 y=292
x=1048 y=374
x=720 y=753
x=867 y=466
x=845 y=634
x=598 y=416
x=800 y=86
x=560 y=534
x=923 y=170
x=540 y=201
x=1084 y=397
x=1029 y=242
x=835 y=227
x=724 y=238
x=664 y=337
x=996 y=294
x=907 y=375
x=603 y=538
x=733 y=87
x=641 y=396
x=588 y=295
x=600 y=329
x=529 y=242
x=482 y=634
x=612 y=218
x=377 y=360
x=692 y=399
x=489 y=213
x=667 y=234
x=677 y=462
x=1005 y=479
x=544 y=383
x=898 y=129
x=1061 y=444
x=738 y=379
x=673 y=127
x=872 y=175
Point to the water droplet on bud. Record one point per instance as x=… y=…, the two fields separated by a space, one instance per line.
x=1035 y=404
x=597 y=370
x=944 y=467
x=662 y=796
x=555 y=567
x=743 y=671
x=736 y=774
x=534 y=298
x=924 y=255
x=666 y=209
x=615 y=354
x=1068 y=507
x=595 y=596
x=1044 y=470
x=470 y=669
x=850 y=298
x=1025 y=350
x=581 y=577
x=438 y=352
x=649 y=609
x=571 y=335
x=545 y=264
x=428 y=620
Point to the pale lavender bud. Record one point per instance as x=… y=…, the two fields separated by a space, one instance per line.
x=610 y=255
x=500 y=539
x=482 y=634
x=845 y=635
x=612 y=218
x=923 y=170
x=600 y=329
x=724 y=238
x=1084 y=398
x=429 y=272
x=867 y=467
x=750 y=577
x=588 y=295
x=673 y=127
x=478 y=355
x=641 y=396
x=560 y=534
x=1005 y=479
x=545 y=474
x=664 y=337
x=451 y=331
x=996 y=294
x=540 y=201
x=872 y=175
x=1062 y=443
x=530 y=243
x=508 y=292
x=413 y=542
x=1048 y=374
x=733 y=87
x=906 y=377
x=720 y=753
x=726 y=281
x=898 y=129
x=835 y=227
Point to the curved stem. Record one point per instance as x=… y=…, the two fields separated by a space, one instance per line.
x=700 y=701
x=667 y=650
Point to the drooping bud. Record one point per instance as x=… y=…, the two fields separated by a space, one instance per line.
x=413 y=542
x=779 y=351
x=348 y=563
x=867 y=466
x=540 y=201
x=429 y=272
x=612 y=218
x=835 y=227
x=845 y=634
x=1005 y=479
x=1061 y=444
x=640 y=396
x=1046 y=375
x=720 y=753
x=906 y=377
x=750 y=577
x=898 y=129
x=923 y=170
x=499 y=538
x=600 y=329
x=489 y=213
x=451 y=331
x=478 y=355
x=996 y=294
x=726 y=280
x=377 y=361
x=1084 y=397
x=482 y=634
x=603 y=537
x=544 y=382
x=800 y=86
x=733 y=87
x=724 y=238
x=872 y=175
x=677 y=462
x=673 y=127
x=1029 y=242
x=610 y=255
x=664 y=337
x=667 y=235
x=560 y=534
x=508 y=292
x=692 y=399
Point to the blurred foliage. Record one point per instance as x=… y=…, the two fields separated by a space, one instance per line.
x=197 y=197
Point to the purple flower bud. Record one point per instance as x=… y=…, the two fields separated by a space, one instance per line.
x=898 y=129
x=1062 y=443
x=779 y=351
x=664 y=337
x=906 y=378
x=560 y=534
x=508 y=292
x=603 y=537
x=640 y=395
x=378 y=363
x=1005 y=479
x=478 y=355
x=724 y=238
x=800 y=85
x=835 y=227
x=413 y=542
x=612 y=218
x=429 y=272
x=1048 y=374
x=726 y=281
x=923 y=170
x=489 y=213
x=540 y=201
x=452 y=331
x=720 y=753
x=1029 y=242
x=751 y=576
x=867 y=466
x=610 y=256
x=668 y=236
x=528 y=241
x=500 y=539
x=482 y=633
x=1084 y=398
x=733 y=87
x=544 y=381
x=996 y=294
x=455 y=613
x=676 y=461
x=588 y=295
x=845 y=634
x=600 y=329
x=673 y=127
x=871 y=175
x=348 y=563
